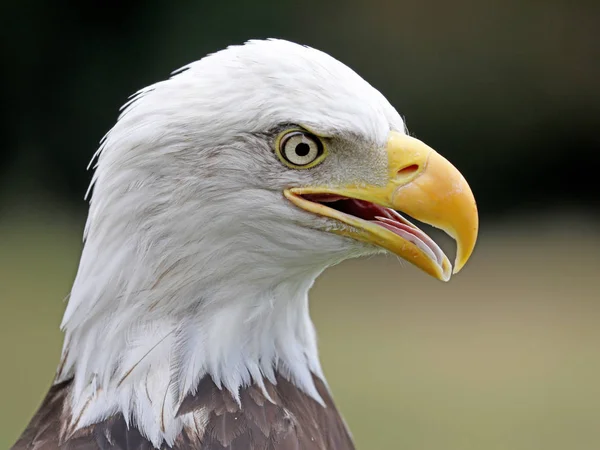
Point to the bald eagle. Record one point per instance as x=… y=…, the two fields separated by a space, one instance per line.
x=218 y=198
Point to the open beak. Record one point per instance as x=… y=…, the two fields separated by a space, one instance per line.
x=422 y=184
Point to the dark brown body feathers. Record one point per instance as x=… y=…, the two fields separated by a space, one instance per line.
x=290 y=420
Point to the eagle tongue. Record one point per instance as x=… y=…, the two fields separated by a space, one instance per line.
x=366 y=210
x=414 y=235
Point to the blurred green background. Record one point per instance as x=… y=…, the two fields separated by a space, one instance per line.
x=506 y=356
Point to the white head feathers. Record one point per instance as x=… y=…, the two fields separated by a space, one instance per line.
x=194 y=262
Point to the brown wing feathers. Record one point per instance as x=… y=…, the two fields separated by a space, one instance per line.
x=292 y=421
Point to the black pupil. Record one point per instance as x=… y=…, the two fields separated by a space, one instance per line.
x=302 y=149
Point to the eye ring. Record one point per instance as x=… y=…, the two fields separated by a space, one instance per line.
x=300 y=150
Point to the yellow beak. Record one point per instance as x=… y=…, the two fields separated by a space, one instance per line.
x=422 y=184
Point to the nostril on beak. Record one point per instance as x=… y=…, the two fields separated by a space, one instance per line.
x=408 y=170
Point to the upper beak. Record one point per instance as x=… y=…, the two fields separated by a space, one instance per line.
x=422 y=184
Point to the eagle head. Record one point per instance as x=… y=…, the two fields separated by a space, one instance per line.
x=218 y=197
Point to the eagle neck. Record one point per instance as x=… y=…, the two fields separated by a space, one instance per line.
x=142 y=360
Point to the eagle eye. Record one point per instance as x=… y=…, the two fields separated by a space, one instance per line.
x=300 y=150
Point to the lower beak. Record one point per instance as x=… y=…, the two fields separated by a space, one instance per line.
x=422 y=184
